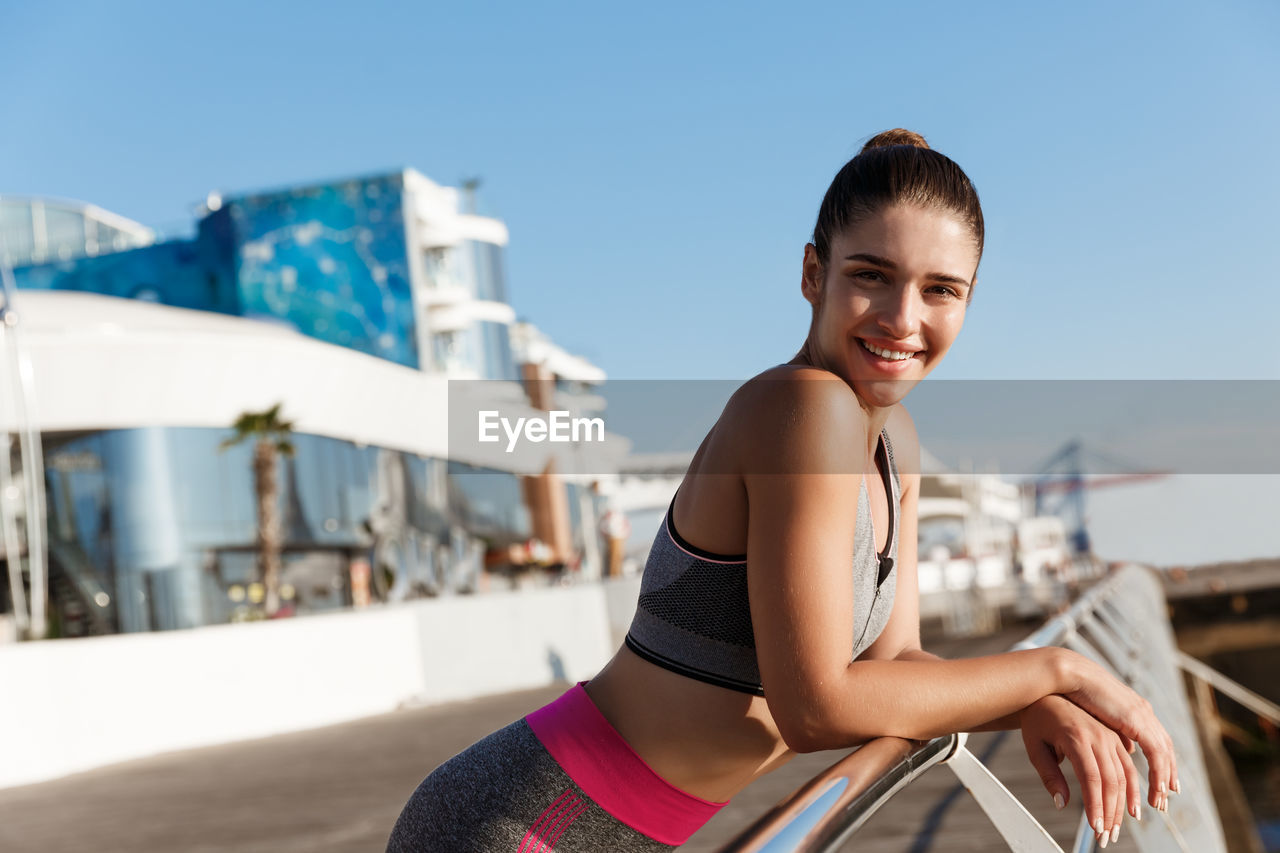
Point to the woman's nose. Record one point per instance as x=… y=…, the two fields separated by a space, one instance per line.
x=899 y=316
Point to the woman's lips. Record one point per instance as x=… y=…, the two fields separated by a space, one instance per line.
x=889 y=367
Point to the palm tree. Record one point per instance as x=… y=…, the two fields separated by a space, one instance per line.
x=271 y=436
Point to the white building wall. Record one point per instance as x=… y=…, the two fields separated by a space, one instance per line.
x=71 y=705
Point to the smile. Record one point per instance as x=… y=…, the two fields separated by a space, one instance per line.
x=890 y=355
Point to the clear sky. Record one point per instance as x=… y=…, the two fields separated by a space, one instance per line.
x=660 y=165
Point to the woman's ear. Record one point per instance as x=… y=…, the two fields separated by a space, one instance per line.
x=811 y=275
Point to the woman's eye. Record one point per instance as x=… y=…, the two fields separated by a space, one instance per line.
x=869 y=275
x=944 y=290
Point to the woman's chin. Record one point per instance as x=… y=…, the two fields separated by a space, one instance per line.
x=882 y=393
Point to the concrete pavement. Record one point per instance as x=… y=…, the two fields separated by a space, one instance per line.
x=340 y=788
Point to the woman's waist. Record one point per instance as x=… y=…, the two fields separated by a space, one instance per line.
x=707 y=740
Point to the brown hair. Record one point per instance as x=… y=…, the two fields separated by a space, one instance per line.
x=896 y=167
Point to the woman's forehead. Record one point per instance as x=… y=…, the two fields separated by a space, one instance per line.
x=910 y=237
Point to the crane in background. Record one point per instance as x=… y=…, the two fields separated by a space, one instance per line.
x=1059 y=487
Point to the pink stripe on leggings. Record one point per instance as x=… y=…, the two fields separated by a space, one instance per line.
x=610 y=772
x=541 y=829
x=567 y=818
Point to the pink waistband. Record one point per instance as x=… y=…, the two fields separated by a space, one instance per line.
x=610 y=772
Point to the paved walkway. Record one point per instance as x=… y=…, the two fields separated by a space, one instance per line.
x=340 y=789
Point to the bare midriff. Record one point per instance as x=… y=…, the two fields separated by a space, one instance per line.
x=708 y=741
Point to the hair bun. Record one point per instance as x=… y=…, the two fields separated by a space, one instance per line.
x=897 y=136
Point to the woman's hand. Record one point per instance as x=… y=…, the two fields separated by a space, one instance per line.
x=1126 y=713
x=1053 y=729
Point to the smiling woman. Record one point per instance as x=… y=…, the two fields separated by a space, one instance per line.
x=779 y=607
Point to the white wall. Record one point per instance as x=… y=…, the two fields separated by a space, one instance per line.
x=621 y=595
x=70 y=705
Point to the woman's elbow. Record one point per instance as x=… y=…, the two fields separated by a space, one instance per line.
x=815 y=732
x=801 y=738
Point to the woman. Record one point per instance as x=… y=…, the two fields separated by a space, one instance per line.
x=796 y=482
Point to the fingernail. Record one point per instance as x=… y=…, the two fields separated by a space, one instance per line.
x=1058 y=801
x=1097 y=827
x=1115 y=833
x=1175 y=787
x=1137 y=813
x=1103 y=842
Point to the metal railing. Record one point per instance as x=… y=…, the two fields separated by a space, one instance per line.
x=1120 y=623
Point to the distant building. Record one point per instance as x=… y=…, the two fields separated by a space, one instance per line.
x=353 y=303
x=387 y=265
x=36 y=230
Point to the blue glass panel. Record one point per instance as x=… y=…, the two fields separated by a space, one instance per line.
x=489 y=503
x=64 y=232
x=491 y=282
x=496 y=360
x=17 y=232
x=170 y=273
x=81 y=551
x=331 y=261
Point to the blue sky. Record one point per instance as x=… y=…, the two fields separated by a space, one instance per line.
x=660 y=166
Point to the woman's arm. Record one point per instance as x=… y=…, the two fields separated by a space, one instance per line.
x=803 y=455
x=810 y=442
x=900 y=639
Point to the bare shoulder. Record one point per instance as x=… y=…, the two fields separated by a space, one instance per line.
x=793 y=419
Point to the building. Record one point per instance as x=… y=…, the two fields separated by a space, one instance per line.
x=36 y=230
x=364 y=308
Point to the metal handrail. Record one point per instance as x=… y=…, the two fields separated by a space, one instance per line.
x=1237 y=691
x=1134 y=641
x=834 y=804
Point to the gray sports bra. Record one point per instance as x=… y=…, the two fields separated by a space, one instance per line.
x=694 y=616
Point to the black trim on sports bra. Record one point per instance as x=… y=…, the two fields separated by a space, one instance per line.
x=882 y=462
x=694 y=549
x=696 y=674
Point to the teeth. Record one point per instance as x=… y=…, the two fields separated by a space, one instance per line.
x=887 y=353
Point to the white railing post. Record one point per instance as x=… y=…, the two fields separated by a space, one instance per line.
x=1022 y=832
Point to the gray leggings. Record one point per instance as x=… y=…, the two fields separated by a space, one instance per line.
x=506 y=793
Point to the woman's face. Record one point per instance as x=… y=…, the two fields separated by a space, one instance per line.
x=891 y=299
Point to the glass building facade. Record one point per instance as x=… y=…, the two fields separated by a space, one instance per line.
x=154 y=528
x=34 y=231
x=333 y=261
x=184 y=273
